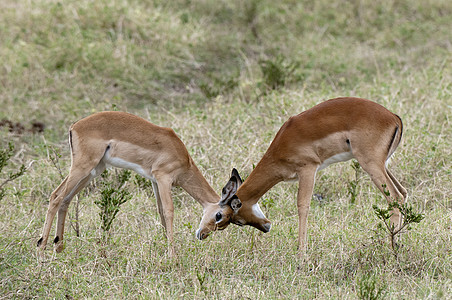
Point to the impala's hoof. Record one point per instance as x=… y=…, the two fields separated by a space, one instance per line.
x=40 y=250
x=59 y=246
x=41 y=246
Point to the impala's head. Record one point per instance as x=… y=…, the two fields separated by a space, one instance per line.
x=231 y=210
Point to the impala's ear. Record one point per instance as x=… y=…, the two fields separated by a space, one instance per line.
x=235 y=174
x=230 y=188
x=235 y=204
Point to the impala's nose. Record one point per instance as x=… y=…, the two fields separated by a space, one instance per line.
x=199 y=235
x=267 y=227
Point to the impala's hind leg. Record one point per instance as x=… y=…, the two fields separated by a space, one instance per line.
x=401 y=189
x=65 y=192
x=54 y=203
x=387 y=186
x=84 y=166
x=62 y=212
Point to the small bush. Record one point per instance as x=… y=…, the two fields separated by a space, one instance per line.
x=5 y=155
x=408 y=214
x=369 y=288
x=113 y=195
x=277 y=71
x=143 y=183
x=353 y=185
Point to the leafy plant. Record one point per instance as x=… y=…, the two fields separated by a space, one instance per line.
x=54 y=156
x=113 y=195
x=277 y=71
x=369 y=289
x=143 y=184
x=201 y=279
x=408 y=214
x=5 y=155
x=352 y=185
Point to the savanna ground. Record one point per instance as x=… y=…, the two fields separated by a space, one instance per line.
x=225 y=75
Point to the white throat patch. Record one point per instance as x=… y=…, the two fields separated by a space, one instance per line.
x=257 y=211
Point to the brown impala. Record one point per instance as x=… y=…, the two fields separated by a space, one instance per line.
x=123 y=140
x=333 y=131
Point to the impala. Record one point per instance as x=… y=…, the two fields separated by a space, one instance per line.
x=123 y=140
x=333 y=131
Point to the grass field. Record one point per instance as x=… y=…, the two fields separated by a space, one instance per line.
x=225 y=75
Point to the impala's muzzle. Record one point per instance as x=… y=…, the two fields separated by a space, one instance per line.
x=266 y=227
x=203 y=233
x=200 y=235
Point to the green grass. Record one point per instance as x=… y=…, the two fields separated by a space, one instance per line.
x=202 y=68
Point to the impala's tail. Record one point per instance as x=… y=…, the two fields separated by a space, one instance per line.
x=396 y=138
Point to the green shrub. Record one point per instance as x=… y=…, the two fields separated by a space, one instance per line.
x=277 y=71
x=408 y=214
x=369 y=288
x=353 y=185
x=113 y=195
x=5 y=155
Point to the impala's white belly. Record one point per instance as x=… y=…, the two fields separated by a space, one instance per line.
x=344 y=156
x=124 y=164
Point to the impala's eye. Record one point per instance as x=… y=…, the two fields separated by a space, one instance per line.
x=218 y=217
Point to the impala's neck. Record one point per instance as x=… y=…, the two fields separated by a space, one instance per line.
x=194 y=183
x=261 y=179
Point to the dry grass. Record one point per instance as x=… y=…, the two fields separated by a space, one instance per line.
x=196 y=67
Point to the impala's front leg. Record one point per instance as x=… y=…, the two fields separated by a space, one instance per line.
x=155 y=188
x=167 y=209
x=306 y=178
